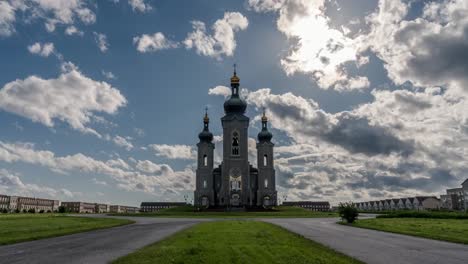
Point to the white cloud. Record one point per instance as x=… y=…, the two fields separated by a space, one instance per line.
x=99 y=182
x=101 y=41
x=7 y=18
x=43 y=50
x=143 y=177
x=222 y=42
x=220 y=90
x=12 y=184
x=140 y=5
x=316 y=48
x=72 y=98
x=152 y=43
x=72 y=30
x=427 y=50
x=123 y=142
x=109 y=75
x=173 y=151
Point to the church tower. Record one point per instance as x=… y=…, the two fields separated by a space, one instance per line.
x=204 y=192
x=266 y=192
x=235 y=169
x=235 y=183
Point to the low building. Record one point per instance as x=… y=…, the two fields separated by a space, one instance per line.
x=446 y=202
x=465 y=194
x=79 y=207
x=123 y=209
x=4 y=202
x=457 y=198
x=426 y=203
x=37 y=204
x=101 y=208
x=310 y=205
x=148 y=207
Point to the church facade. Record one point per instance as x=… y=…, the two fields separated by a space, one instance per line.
x=235 y=182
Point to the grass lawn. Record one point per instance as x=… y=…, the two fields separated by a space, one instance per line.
x=236 y=242
x=280 y=211
x=23 y=227
x=453 y=230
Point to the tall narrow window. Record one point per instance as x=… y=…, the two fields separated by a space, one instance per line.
x=265 y=160
x=235 y=144
x=266 y=183
x=204 y=184
x=205 y=160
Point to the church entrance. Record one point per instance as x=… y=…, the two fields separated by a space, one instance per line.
x=235 y=199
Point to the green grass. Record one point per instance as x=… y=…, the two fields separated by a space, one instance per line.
x=280 y=211
x=236 y=242
x=452 y=230
x=24 y=227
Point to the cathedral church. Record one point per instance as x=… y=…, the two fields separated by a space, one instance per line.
x=235 y=182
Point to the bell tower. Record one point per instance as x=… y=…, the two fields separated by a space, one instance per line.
x=235 y=167
x=204 y=192
x=266 y=192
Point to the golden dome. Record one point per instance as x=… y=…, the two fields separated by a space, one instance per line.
x=235 y=79
x=264 y=118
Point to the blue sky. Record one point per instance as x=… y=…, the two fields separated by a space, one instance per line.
x=103 y=100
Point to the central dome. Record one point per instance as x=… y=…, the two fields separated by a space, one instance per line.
x=235 y=105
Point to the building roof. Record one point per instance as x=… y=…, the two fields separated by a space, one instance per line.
x=465 y=181
x=422 y=198
x=306 y=203
x=162 y=204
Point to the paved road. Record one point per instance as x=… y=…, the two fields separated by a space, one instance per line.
x=100 y=246
x=375 y=247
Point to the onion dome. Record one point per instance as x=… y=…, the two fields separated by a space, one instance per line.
x=235 y=105
x=264 y=135
x=206 y=135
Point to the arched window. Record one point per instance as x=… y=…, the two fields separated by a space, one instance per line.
x=235 y=144
x=205 y=160
x=266 y=183
x=265 y=160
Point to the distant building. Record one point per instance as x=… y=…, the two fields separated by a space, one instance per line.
x=457 y=198
x=147 y=207
x=310 y=205
x=123 y=209
x=410 y=203
x=101 y=208
x=79 y=207
x=465 y=194
x=12 y=203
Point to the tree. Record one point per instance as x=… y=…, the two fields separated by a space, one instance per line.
x=348 y=212
x=62 y=209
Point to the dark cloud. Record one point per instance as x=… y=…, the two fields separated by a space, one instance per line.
x=356 y=135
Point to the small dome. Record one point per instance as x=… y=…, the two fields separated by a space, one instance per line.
x=264 y=136
x=235 y=105
x=205 y=136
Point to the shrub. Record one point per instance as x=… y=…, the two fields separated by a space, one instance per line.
x=427 y=214
x=17 y=211
x=32 y=211
x=41 y=211
x=348 y=212
x=5 y=211
x=62 y=209
x=25 y=211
